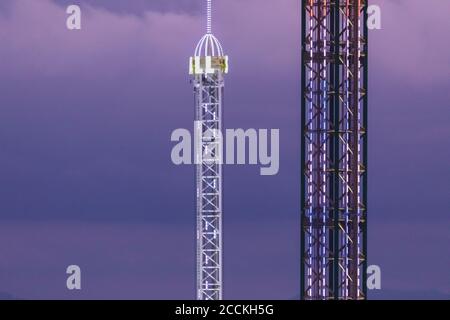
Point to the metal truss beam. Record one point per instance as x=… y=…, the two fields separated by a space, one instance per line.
x=334 y=149
x=208 y=90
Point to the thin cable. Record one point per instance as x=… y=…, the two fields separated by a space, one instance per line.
x=209 y=16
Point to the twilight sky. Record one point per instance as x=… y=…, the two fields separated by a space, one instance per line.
x=85 y=170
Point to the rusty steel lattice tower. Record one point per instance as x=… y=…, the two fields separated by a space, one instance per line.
x=334 y=149
x=208 y=67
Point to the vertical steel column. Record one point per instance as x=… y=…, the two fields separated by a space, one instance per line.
x=303 y=154
x=364 y=132
x=317 y=161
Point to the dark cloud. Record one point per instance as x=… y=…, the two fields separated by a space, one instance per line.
x=6 y=296
x=141 y=261
x=138 y=7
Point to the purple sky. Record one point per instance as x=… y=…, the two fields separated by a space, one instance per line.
x=85 y=170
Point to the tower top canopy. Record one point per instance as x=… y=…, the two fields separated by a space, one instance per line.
x=209 y=46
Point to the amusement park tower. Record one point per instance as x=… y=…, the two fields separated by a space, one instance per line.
x=208 y=67
x=334 y=150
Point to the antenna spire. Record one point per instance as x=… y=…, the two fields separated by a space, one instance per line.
x=208 y=16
